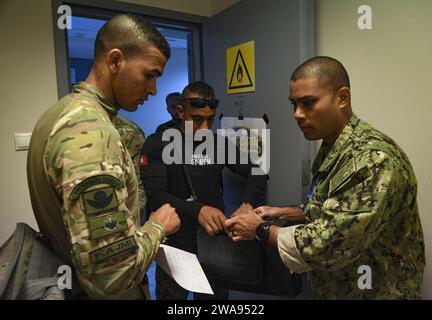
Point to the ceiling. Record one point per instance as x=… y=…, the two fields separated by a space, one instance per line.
x=205 y=8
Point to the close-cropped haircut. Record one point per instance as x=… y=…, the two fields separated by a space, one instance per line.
x=328 y=70
x=172 y=94
x=201 y=88
x=131 y=34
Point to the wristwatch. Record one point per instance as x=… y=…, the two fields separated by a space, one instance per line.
x=263 y=231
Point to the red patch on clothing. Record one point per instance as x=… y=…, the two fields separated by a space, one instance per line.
x=143 y=161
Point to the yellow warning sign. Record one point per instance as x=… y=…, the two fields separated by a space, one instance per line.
x=241 y=68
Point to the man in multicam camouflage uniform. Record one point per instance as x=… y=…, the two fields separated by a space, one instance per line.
x=361 y=209
x=82 y=182
x=133 y=138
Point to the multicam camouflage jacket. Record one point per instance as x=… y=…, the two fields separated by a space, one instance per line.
x=133 y=138
x=83 y=189
x=363 y=237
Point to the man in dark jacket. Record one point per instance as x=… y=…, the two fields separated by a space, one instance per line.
x=193 y=185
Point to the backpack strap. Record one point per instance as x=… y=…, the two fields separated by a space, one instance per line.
x=41 y=289
x=41 y=281
x=10 y=251
x=44 y=262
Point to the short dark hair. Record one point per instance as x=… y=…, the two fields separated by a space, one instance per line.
x=172 y=94
x=131 y=34
x=201 y=88
x=325 y=69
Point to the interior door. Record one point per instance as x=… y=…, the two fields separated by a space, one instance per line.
x=282 y=31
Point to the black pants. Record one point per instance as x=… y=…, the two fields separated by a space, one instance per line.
x=168 y=289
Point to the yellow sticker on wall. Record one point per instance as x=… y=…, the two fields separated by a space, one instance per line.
x=241 y=68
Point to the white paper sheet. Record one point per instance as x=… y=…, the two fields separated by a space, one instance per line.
x=184 y=268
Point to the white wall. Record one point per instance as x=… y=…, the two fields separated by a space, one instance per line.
x=391 y=70
x=27 y=88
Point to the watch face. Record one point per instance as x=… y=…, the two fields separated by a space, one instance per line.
x=263 y=231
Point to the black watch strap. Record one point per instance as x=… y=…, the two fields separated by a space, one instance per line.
x=263 y=231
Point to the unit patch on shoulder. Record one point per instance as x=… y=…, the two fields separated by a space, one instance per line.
x=107 y=224
x=99 y=200
x=113 y=249
x=95 y=180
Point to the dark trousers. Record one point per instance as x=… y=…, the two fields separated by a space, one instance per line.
x=168 y=289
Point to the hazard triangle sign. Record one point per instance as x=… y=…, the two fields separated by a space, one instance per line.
x=241 y=68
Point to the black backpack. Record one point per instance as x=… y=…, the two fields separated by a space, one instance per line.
x=28 y=267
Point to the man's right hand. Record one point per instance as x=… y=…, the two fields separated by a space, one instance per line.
x=212 y=220
x=168 y=217
x=268 y=212
x=292 y=213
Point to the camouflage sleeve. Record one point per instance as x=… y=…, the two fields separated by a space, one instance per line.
x=142 y=197
x=133 y=138
x=134 y=147
x=352 y=217
x=94 y=176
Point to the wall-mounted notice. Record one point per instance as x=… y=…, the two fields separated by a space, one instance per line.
x=241 y=68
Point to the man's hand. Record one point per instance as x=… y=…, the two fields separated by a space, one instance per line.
x=168 y=217
x=267 y=212
x=211 y=219
x=293 y=213
x=244 y=208
x=242 y=227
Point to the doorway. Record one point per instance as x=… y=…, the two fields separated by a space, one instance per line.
x=176 y=76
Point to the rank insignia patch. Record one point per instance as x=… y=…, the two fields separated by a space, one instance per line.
x=342 y=175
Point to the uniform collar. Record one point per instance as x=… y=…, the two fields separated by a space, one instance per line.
x=328 y=154
x=87 y=89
